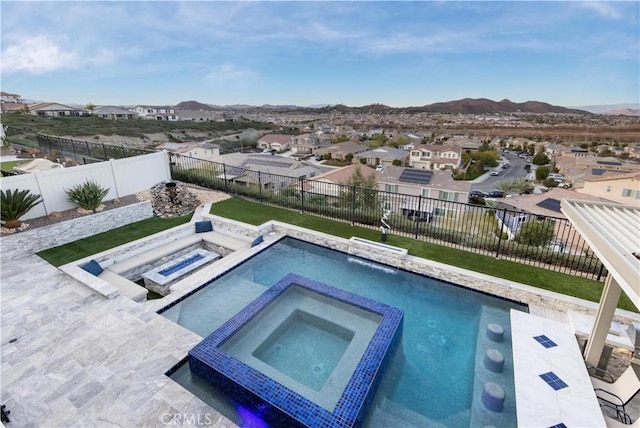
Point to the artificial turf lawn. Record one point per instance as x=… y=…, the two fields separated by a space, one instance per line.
x=67 y=253
x=583 y=288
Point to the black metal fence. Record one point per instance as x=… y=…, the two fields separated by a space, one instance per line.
x=547 y=242
x=85 y=152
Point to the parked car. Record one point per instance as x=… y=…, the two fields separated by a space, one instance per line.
x=478 y=193
x=564 y=184
x=319 y=158
x=495 y=172
x=506 y=165
x=496 y=194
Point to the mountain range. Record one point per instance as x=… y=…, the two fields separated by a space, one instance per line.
x=464 y=106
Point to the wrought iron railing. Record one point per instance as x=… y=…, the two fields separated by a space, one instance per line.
x=85 y=152
x=547 y=242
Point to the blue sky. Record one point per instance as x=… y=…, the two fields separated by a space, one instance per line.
x=306 y=53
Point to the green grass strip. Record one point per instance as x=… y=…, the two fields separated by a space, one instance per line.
x=8 y=165
x=75 y=250
x=587 y=289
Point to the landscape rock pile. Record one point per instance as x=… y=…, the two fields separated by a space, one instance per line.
x=171 y=199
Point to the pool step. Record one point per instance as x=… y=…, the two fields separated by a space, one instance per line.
x=391 y=414
x=480 y=415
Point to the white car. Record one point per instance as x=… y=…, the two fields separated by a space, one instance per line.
x=494 y=172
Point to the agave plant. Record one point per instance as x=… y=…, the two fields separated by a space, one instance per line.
x=88 y=195
x=14 y=204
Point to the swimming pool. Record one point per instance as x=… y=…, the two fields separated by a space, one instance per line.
x=436 y=377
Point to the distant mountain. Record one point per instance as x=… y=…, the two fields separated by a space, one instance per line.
x=623 y=112
x=193 y=105
x=608 y=108
x=484 y=106
x=464 y=106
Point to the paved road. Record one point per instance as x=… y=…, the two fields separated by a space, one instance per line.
x=515 y=171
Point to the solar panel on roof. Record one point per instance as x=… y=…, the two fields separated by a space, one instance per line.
x=550 y=204
x=600 y=162
x=267 y=162
x=419 y=176
x=597 y=171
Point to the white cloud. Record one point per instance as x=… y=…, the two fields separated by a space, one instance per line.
x=231 y=73
x=40 y=54
x=36 y=55
x=605 y=9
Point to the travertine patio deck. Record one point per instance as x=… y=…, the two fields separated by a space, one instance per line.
x=72 y=358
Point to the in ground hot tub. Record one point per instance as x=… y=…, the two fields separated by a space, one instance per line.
x=303 y=353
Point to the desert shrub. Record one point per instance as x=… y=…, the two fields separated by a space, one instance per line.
x=88 y=195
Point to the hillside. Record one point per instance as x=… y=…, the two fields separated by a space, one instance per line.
x=486 y=106
x=193 y=106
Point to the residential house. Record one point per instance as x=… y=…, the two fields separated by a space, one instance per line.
x=271 y=172
x=522 y=208
x=385 y=156
x=433 y=190
x=341 y=150
x=13 y=107
x=577 y=152
x=579 y=169
x=203 y=150
x=277 y=142
x=114 y=113
x=408 y=192
x=200 y=116
x=7 y=97
x=156 y=112
x=54 y=110
x=307 y=144
x=622 y=188
x=435 y=156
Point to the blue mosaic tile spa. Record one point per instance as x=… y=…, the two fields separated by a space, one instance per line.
x=302 y=354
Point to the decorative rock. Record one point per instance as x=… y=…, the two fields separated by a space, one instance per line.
x=495 y=332
x=493 y=397
x=494 y=360
x=172 y=199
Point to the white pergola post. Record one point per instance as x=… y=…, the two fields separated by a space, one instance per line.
x=606 y=309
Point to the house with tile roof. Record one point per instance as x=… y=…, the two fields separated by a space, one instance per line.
x=341 y=150
x=277 y=142
x=623 y=188
x=385 y=156
x=435 y=156
x=426 y=187
x=156 y=112
x=54 y=110
x=307 y=144
x=7 y=97
x=114 y=113
x=205 y=150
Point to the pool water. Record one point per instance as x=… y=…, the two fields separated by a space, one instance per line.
x=305 y=348
x=431 y=380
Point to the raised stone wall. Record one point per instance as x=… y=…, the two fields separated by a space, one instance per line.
x=42 y=238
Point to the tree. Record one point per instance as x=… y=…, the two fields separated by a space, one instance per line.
x=362 y=191
x=540 y=158
x=349 y=157
x=91 y=107
x=542 y=173
x=536 y=232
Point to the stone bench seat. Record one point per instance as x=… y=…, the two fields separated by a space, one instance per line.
x=126 y=287
x=229 y=242
x=153 y=254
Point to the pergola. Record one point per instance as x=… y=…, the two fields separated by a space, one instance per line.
x=613 y=233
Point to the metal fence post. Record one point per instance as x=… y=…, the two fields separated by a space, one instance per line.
x=224 y=176
x=417 y=223
x=353 y=205
x=260 y=187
